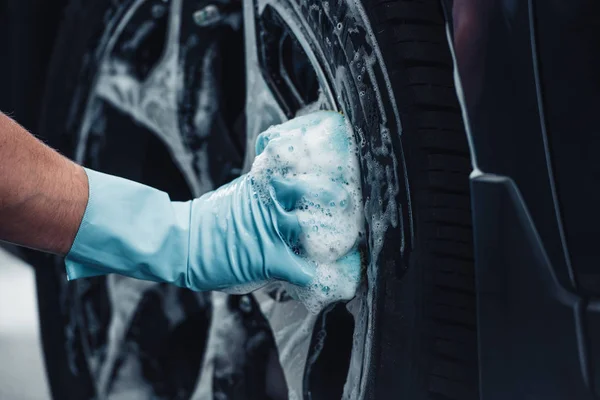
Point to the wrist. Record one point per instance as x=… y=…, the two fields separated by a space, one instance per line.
x=77 y=192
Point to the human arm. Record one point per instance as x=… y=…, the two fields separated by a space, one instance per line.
x=43 y=195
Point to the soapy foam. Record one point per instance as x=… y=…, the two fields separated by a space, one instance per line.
x=318 y=152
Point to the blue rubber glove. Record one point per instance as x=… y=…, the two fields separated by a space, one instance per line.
x=229 y=237
x=225 y=238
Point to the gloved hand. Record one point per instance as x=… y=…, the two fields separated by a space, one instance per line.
x=312 y=163
x=238 y=234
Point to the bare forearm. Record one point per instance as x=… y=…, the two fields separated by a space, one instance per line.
x=43 y=195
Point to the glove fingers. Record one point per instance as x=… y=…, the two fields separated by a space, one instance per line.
x=351 y=264
x=302 y=272
x=289 y=192
x=291 y=267
x=295 y=270
x=263 y=140
x=302 y=122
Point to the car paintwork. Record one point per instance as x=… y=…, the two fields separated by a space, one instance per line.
x=531 y=86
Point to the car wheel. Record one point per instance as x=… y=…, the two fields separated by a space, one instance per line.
x=159 y=91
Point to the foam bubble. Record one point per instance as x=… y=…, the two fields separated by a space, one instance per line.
x=318 y=153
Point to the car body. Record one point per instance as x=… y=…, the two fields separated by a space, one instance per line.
x=529 y=72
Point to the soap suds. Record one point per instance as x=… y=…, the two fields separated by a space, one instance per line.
x=318 y=153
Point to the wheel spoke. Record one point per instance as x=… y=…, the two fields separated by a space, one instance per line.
x=361 y=311
x=153 y=101
x=125 y=295
x=292 y=326
x=262 y=109
x=224 y=346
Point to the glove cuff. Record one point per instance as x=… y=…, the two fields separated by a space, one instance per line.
x=130 y=229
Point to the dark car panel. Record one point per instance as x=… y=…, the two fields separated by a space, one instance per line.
x=568 y=37
x=28 y=29
x=529 y=71
x=531 y=337
x=499 y=78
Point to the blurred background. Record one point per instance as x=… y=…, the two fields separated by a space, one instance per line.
x=22 y=374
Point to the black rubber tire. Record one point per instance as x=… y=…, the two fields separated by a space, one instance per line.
x=427 y=348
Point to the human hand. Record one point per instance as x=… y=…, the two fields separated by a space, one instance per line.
x=257 y=228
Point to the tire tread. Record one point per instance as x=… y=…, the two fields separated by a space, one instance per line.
x=412 y=38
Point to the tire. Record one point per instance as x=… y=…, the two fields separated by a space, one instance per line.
x=429 y=350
